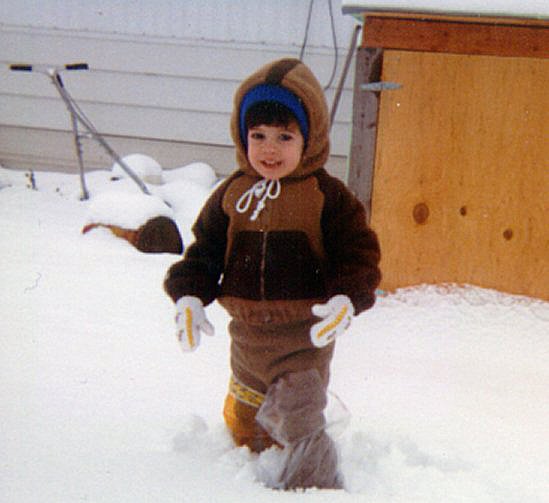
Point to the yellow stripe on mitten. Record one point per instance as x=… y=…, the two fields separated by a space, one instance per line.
x=336 y=316
x=190 y=320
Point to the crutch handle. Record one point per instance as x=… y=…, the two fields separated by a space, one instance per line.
x=24 y=67
x=77 y=66
x=21 y=68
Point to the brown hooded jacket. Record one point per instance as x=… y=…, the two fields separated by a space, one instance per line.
x=308 y=244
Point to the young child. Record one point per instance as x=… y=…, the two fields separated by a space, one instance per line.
x=285 y=248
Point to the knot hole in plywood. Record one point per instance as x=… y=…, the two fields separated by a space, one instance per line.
x=421 y=213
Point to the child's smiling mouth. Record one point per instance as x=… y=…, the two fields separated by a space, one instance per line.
x=271 y=164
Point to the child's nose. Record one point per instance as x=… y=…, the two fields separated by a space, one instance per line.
x=270 y=145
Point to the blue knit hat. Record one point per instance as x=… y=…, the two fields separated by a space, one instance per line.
x=276 y=94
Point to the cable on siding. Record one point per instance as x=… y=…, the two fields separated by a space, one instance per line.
x=334 y=40
x=307 y=25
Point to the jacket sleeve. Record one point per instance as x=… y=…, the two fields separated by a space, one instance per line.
x=352 y=248
x=199 y=272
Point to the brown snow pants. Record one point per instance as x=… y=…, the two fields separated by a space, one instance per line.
x=278 y=397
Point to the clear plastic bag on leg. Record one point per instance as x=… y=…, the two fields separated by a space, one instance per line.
x=293 y=414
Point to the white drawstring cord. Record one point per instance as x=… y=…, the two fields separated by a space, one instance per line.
x=263 y=190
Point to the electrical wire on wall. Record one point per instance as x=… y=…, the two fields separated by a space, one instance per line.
x=334 y=39
x=307 y=25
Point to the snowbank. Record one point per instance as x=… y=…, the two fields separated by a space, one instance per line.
x=126 y=210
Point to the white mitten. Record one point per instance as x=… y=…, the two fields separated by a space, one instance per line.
x=336 y=316
x=190 y=320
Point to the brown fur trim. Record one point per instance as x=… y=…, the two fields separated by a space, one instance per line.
x=279 y=70
x=299 y=79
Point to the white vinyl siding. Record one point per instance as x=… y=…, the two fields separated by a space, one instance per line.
x=162 y=74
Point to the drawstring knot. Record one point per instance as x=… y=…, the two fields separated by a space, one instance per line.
x=262 y=190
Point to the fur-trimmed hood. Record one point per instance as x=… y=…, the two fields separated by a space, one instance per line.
x=297 y=78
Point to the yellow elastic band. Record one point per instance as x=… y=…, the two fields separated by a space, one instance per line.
x=245 y=394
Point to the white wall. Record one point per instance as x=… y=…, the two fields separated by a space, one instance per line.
x=162 y=73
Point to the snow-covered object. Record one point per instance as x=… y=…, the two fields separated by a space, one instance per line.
x=511 y=8
x=178 y=195
x=198 y=172
x=186 y=198
x=126 y=210
x=145 y=167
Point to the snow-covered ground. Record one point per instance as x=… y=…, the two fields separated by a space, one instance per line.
x=446 y=388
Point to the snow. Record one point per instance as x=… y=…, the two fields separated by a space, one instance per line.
x=142 y=165
x=439 y=393
x=526 y=8
x=126 y=210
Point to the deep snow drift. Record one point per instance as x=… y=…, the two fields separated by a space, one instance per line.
x=447 y=388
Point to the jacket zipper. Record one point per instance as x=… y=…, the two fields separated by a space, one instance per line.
x=262 y=269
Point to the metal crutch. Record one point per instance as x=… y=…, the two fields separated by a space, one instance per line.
x=78 y=117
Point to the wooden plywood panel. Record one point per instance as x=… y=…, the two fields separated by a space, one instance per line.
x=467 y=36
x=461 y=183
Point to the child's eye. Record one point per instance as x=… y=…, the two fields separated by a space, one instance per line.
x=256 y=135
x=286 y=137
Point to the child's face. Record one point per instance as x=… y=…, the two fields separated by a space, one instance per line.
x=275 y=151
